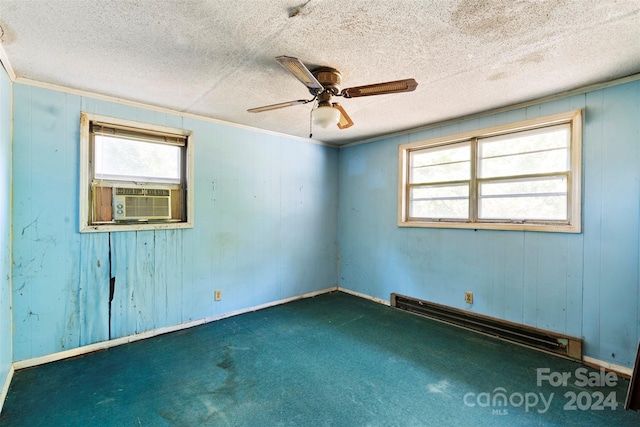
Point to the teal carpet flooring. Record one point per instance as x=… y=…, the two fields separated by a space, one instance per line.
x=332 y=360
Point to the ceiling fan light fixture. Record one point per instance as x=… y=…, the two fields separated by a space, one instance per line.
x=325 y=116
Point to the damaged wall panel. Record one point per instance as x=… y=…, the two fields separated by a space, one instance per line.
x=265 y=229
x=167 y=273
x=139 y=287
x=93 y=290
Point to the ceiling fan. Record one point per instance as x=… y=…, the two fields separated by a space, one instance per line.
x=323 y=84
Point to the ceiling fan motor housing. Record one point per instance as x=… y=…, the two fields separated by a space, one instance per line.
x=329 y=78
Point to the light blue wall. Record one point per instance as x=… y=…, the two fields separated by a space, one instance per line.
x=5 y=224
x=584 y=285
x=265 y=229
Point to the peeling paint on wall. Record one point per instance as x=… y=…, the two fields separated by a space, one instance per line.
x=273 y=199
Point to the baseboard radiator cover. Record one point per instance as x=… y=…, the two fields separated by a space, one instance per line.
x=551 y=342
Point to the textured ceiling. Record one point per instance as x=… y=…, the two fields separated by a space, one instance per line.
x=216 y=58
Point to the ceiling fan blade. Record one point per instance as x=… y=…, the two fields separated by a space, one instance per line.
x=396 y=86
x=276 y=106
x=300 y=72
x=345 y=120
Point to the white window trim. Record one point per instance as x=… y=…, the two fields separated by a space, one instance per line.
x=85 y=179
x=574 y=118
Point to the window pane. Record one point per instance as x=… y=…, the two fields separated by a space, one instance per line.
x=441 y=164
x=439 y=201
x=538 y=151
x=126 y=159
x=526 y=199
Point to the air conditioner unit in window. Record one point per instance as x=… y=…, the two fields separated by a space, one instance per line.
x=141 y=203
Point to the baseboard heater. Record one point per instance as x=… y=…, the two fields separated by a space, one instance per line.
x=559 y=344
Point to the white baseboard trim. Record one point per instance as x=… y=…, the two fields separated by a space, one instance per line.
x=619 y=369
x=365 y=296
x=5 y=387
x=103 y=345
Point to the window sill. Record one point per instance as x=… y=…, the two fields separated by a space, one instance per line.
x=550 y=228
x=111 y=227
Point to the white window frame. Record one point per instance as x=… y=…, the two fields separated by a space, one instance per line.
x=574 y=191
x=86 y=178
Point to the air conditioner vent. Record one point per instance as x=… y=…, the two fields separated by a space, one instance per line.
x=157 y=192
x=124 y=191
x=141 y=203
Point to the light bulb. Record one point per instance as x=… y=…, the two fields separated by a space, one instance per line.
x=325 y=115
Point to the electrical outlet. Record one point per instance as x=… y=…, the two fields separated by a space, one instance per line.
x=217 y=295
x=468 y=297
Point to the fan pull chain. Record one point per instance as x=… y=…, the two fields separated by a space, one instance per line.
x=311 y=118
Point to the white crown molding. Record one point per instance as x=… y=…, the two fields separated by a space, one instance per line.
x=15 y=79
x=122 y=101
x=6 y=64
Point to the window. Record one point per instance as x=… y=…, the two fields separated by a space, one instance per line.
x=134 y=176
x=524 y=176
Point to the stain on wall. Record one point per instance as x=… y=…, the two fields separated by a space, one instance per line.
x=265 y=229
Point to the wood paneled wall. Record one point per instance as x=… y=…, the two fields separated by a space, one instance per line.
x=585 y=285
x=265 y=229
